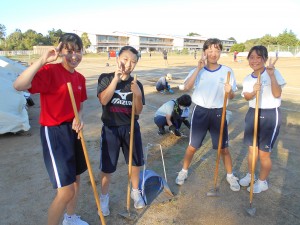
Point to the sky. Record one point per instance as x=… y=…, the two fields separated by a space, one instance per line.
x=240 y=19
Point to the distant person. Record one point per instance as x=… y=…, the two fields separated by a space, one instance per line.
x=165 y=54
x=195 y=54
x=235 y=56
x=62 y=150
x=172 y=114
x=115 y=92
x=209 y=82
x=108 y=55
x=162 y=84
x=269 y=115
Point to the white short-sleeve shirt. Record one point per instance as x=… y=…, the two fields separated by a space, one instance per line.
x=209 y=86
x=266 y=98
x=165 y=109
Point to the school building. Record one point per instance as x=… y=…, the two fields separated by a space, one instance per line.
x=147 y=42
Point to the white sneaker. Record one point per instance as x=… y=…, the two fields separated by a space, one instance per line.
x=182 y=176
x=245 y=181
x=137 y=198
x=73 y=220
x=234 y=184
x=259 y=186
x=104 y=201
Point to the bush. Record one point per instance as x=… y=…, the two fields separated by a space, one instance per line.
x=238 y=48
x=185 y=51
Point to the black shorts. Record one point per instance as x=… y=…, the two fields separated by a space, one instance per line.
x=63 y=154
x=204 y=120
x=116 y=137
x=269 y=121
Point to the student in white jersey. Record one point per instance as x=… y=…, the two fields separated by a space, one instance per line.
x=270 y=87
x=209 y=80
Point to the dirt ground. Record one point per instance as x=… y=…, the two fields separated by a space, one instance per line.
x=25 y=190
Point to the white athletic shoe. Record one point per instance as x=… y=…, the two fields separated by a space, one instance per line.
x=104 y=200
x=245 y=181
x=73 y=220
x=259 y=186
x=234 y=184
x=182 y=176
x=138 y=199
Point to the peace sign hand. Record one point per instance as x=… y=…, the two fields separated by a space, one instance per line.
x=203 y=61
x=119 y=71
x=271 y=67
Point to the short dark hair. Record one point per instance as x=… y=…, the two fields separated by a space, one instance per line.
x=212 y=41
x=184 y=100
x=260 y=50
x=129 y=48
x=70 y=41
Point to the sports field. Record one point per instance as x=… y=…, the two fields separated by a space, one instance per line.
x=25 y=190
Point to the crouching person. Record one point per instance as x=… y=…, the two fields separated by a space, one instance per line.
x=162 y=84
x=172 y=114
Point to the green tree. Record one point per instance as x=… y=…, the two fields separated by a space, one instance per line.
x=14 y=40
x=237 y=47
x=193 y=34
x=2 y=37
x=250 y=43
x=85 y=40
x=32 y=38
x=2 y=31
x=267 y=40
x=287 y=38
x=53 y=36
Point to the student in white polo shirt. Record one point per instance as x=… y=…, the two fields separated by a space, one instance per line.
x=270 y=87
x=209 y=79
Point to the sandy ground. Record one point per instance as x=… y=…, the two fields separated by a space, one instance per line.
x=25 y=190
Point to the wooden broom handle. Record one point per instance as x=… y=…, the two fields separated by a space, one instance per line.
x=86 y=155
x=254 y=140
x=221 y=132
x=131 y=147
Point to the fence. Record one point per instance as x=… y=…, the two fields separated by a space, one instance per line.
x=294 y=50
x=16 y=53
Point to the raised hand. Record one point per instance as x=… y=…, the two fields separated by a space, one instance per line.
x=203 y=61
x=271 y=67
x=119 y=73
x=52 y=54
